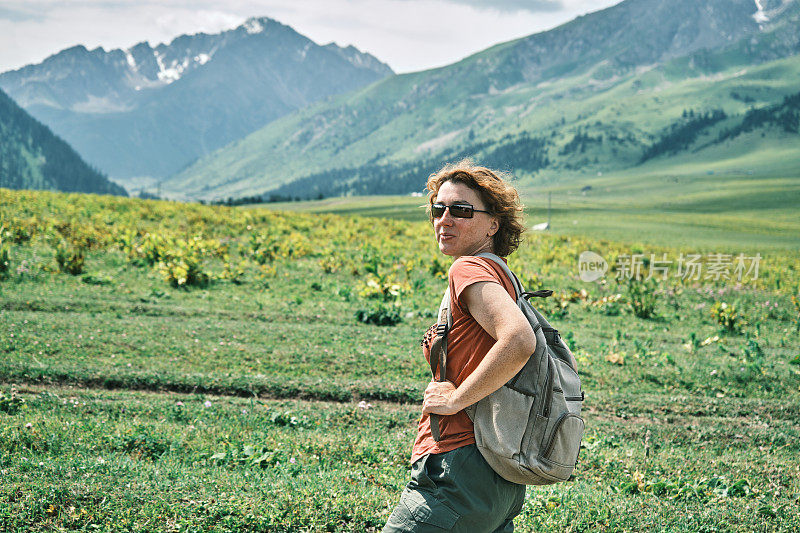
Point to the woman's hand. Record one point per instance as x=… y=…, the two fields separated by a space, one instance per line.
x=439 y=399
x=498 y=314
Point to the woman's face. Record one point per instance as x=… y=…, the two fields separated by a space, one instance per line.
x=463 y=236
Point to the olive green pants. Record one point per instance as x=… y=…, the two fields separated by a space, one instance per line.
x=456 y=491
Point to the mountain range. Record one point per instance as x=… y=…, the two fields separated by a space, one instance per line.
x=593 y=95
x=32 y=157
x=149 y=111
x=262 y=112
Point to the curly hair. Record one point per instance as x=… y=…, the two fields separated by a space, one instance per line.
x=498 y=195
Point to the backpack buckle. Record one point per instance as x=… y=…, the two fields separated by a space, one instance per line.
x=543 y=293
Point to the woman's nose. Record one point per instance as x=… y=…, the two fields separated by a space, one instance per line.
x=446 y=217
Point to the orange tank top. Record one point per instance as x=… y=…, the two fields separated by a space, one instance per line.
x=467 y=345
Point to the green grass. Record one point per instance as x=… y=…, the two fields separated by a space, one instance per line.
x=133 y=461
x=689 y=427
x=290 y=339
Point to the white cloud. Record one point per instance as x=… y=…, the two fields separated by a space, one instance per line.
x=15 y=15
x=514 y=6
x=202 y=21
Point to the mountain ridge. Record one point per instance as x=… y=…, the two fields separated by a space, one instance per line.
x=32 y=157
x=152 y=110
x=506 y=91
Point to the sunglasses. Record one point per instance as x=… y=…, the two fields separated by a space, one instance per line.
x=456 y=210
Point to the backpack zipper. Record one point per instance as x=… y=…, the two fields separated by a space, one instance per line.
x=569 y=398
x=557 y=426
x=548 y=396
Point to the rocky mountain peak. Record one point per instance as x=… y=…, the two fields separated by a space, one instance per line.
x=206 y=89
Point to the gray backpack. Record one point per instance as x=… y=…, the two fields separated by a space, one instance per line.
x=530 y=429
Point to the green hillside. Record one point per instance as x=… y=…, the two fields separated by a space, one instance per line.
x=589 y=117
x=32 y=157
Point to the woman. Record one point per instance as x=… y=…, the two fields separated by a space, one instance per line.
x=452 y=488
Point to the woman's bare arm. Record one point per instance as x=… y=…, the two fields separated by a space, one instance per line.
x=497 y=313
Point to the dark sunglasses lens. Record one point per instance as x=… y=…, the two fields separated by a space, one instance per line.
x=461 y=211
x=437 y=210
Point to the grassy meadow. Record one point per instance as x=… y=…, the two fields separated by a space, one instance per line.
x=179 y=367
x=732 y=202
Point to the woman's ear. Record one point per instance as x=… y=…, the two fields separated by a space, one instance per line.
x=493 y=228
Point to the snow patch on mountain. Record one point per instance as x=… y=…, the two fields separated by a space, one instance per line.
x=173 y=72
x=167 y=75
x=131 y=61
x=168 y=72
x=252 y=26
x=759 y=16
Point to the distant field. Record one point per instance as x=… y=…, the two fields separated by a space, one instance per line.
x=722 y=207
x=203 y=368
x=411 y=208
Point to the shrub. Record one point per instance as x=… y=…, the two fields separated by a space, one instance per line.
x=642 y=298
x=330 y=263
x=184 y=271
x=16 y=230
x=726 y=316
x=5 y=257
x=263 y=249
x=609 y=305
x=379 y=315
x=183 y=266
x=438 y=268
x=150 y=251
x=234 y=272
x=384 y=288
x=556 y=308
x=70 y=258
x=531 y=281
x=266 y=248
x=11 y=404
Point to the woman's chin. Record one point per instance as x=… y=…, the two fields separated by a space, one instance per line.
x=446 y=249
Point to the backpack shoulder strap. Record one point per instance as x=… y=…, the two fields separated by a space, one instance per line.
x=438 y=355
x=514 y=280
x=445 y=315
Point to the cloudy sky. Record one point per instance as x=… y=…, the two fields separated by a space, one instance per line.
x=409 y=35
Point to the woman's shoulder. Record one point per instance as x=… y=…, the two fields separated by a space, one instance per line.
x=473 y=268
x=473 y=262
x=467 y=270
